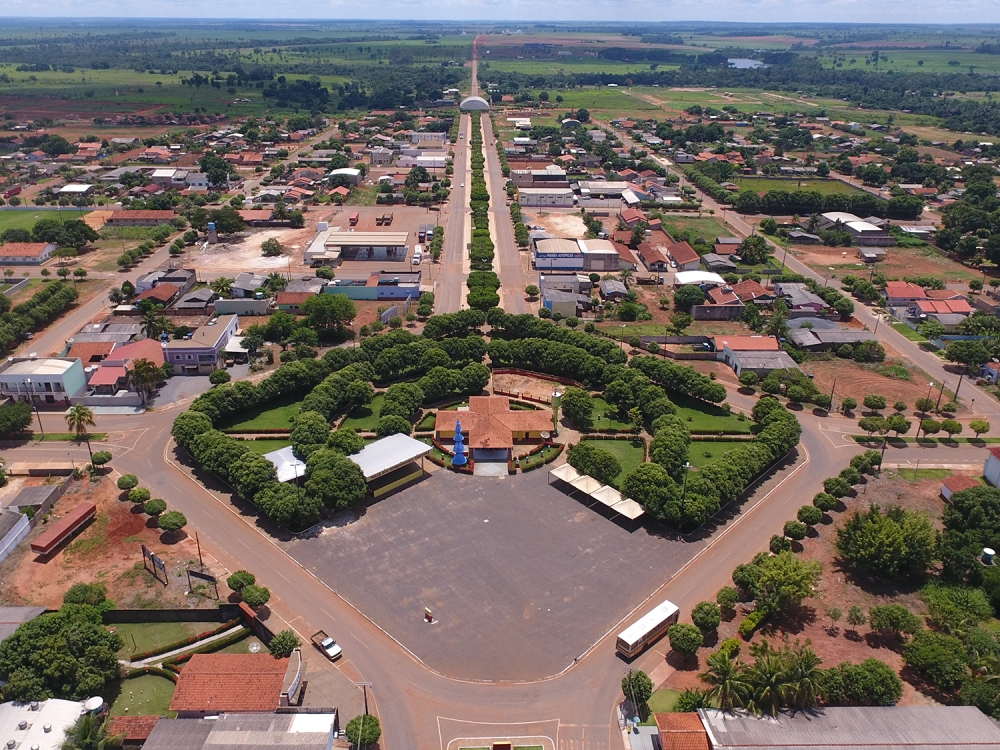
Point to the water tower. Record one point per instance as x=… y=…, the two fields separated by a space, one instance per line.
x=213 y=236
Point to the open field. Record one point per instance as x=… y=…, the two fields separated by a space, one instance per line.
x=704 y=452
x=764 y=184
x=706 y=228
x=268 y=416
x=569 y=65
x=911 y=60
x=22 y=219
x=899 y=262
x=630 y=454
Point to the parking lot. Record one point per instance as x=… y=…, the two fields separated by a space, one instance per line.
x=521 y=578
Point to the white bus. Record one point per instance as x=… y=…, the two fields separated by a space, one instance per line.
x=648 y=629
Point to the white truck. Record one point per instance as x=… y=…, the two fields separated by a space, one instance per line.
x=327 y=645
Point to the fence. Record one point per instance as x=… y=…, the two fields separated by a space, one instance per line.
x=538 y=375
x=522 y=396
x=16 y=288
x=223 y=613
x=399 y=309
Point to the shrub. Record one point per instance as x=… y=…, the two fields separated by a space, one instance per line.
x=796 y=530
x=139 y=495
x=692 y=699
x=154 y=507
x=94 y=594
x=893 y=618
x=283 y=644
x=891 y=545
x=172 y=522
x=363 y=730
x=706 y=616
x=751 y=622
x=955 y=607
x=824 y=502
x=727 y=597
x=240 y=580
x=810 y=515
x=730 y=647
x=101 y=458
x=779 y=544
x=940 y=658
x=255 y=596
x=870 y=683
x=685 y=639
x=127 y=482
x=218 y=377
x=637 y=687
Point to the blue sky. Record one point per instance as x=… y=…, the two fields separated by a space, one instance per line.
x=511 y=11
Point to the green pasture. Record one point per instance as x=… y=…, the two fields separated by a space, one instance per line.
x=715 y=450
x=630 y=454
x=570 y=65
x=830 y=186
x=273 y=415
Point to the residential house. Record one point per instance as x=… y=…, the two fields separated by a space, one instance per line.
x=684 y=256
x=861 y=231
x=292 y=301
x=957 y=483
x=631 y=216
x=216 y=684
x=717 y=263
x=991 y=469
x=164 y=293
x=752 y=291
x=626 y=258
x=818 y=340
x=798 y=237
x=196 y=301
x=380 y=156
x=613 y=289
x=653 y=257
x=246 y=283
x=949 y=313
x=90 y=352
x=723 y=295
x=204 y=351
x=229 y=731
x=903 y=293
x=759 y=354
x=26 y=253
x=799 y=297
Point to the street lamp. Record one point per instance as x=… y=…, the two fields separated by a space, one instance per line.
x=623 y=336
x=34 y=406
x=687 y=467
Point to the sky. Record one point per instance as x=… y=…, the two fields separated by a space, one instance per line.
x=511 y=11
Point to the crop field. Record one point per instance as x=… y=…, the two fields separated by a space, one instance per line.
x=569 y=66
x=911 y=60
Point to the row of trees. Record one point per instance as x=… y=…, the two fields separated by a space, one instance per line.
x=170 y=521
x=42 y=308
x=805 y=202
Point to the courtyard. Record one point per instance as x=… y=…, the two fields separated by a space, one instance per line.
x=521 y=577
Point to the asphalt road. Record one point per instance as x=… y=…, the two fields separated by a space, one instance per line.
x=450 y=273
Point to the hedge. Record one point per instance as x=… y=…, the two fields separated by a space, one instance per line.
x=187 y=641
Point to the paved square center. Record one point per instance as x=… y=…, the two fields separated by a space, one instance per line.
x=521 y=577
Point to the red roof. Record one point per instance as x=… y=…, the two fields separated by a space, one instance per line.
x=108 y=375
x=23 y=249
x=218 y=683
x=632 y=216
x=720 y=296
x=624 y=252
x=683 y=253
x=135 y=728
x=162 y=292
x=681 y=731
x=943 y=294
x=904 y=289
x=944 y=306
x=747 y=343
x=256 y=214
x=149 y=349
x=293 y=298
x=90 y=351
x=749 y=290
x=960 y=482
x=491 y=423
x=995 y=452
x=651 y=254
x=62 y=529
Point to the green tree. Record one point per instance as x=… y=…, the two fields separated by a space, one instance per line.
x=309 y=433
x=940 y=657
x=809 y=515
x=240 y=580
x=874 y=402
x=94 y=594
x=128 y=482
x=979 y=426
x=687 y=296
x=363 y=730
x=334 y=479
x=754 y=250
x=329 y=312
x=685 y=639
x=727 y=598
x=271 y=247
x=218 y=377
x=951 y=426
x=785 y=580
x=154 y=507
x=595 y=462
x=894 y=619
x=577 y=406
x=848 y=404
x=706 y=616
x=637 y=687
x=172 y=521
x=727 y=680
x=346 y=441
x=90 y=733
x=892 y=545
x=255 y=596
x=139 y=495
x=78 y=419
x=856 y=616
x=283 y=644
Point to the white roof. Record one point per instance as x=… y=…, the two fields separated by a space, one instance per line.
x=682 y=278
x=841 y=216
x=58 y=714
x=349 y=171
x=235 y=346
x=366 y=239
x=565 y=472
x=42 y=366
x=597 y=246
x=286 y=464
x=388 y=454
x=546 y=191
x=75 y=188
x=863 y=226
x=169 y=172
x=586 y=484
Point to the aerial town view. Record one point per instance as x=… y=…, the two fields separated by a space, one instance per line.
x=589 y=379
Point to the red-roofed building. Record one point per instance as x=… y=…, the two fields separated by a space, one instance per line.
x=653 y=257
x=108 y=380
x=135 y=730
x=293 y=301
x=945 y=306
x=943 y=294
x=140 y=218
x=681 y=731
x=491 y=426
x=212 y=684
x=163 y=292
x=899 y=293
x=632 y=216
x=148 y=349
x=685 y=256
x=26 y=253
x=626 y=258
x=752 y=291
x=90 y=352
x=723 y=296
x=954 y=484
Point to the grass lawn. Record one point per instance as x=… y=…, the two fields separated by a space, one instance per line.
x=715 y=451
x=26 y=219
x=831 y=186
x=266 y=446
x=427 y=423
x=628 y=452
x=706 y=228
x=906 y=332
x=539 y=458
x=663 y=701
x=63 y=437
x=274 y=415
x=148 y=695
x=145 y=636
x=365 y=417
x=913 y=475
x=702 y=416
x=241 y=646
x=604 y=415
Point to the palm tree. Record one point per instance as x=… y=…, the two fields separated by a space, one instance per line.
x=805 y=677
x=116 y=296
x=626 y=274
x=768 y=678
x=726 y=676
x=280 y=211
x=154 y=324
x=78 y=419
x=144 y=375
x=222 y=286
x=89 y=733
x=276 y=282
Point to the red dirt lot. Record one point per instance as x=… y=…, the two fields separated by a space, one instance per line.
x=836 y=642
x=108 y=551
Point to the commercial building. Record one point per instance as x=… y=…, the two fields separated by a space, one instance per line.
x=553 y=197
x=241 y=731
x=204 y=352
x=491 y=426
x=379 y=285
x=45 y=723
x=26 y=253
x=556 y=253
x=140 y=218
x=352 y=175
x=45 y=380
x=861 y=231
x=838 y=728
x=332 y=246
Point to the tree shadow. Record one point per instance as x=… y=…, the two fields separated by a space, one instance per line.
x=683 y=662
x=793 y=621
x=921 y=685
x=888 y=641
x=173 y=537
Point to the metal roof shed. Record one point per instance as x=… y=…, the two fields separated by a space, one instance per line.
x=388 y=454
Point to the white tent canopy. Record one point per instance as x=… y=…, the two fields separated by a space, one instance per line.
x=388 y=454
x=565 y=472
x=601 y=493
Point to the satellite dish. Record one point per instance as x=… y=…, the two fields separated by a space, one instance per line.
x=254 y=647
